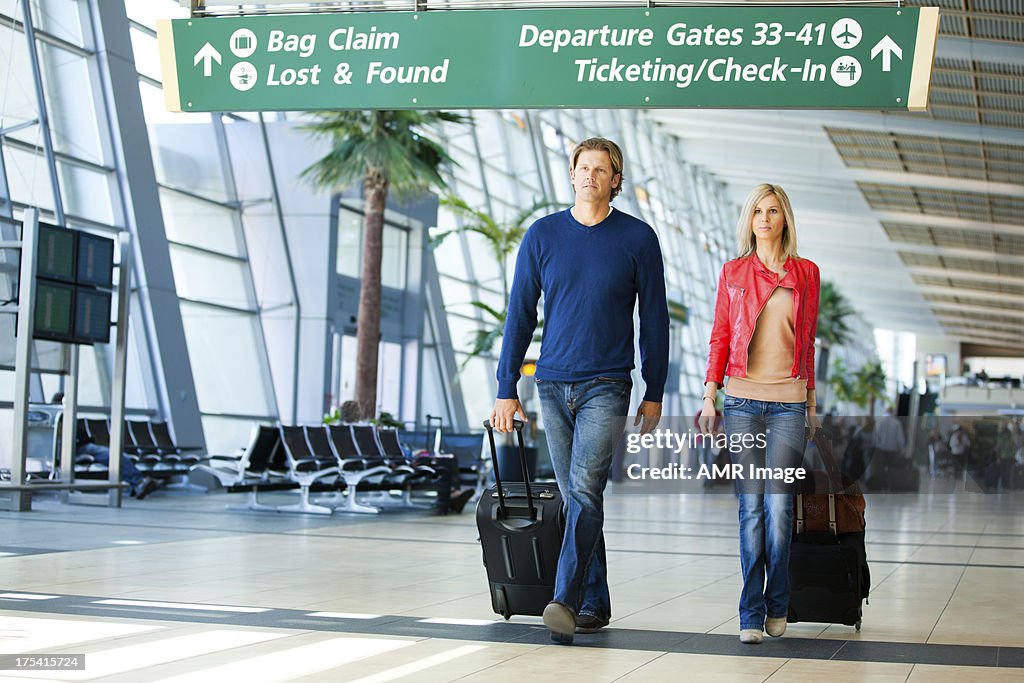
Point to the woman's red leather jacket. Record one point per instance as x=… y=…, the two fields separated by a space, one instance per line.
x=743 y=290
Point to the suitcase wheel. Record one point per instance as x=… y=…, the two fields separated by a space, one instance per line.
x=857 y=625
x=502 y=604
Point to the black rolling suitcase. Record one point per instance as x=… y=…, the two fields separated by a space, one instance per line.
x=521 y=527
x=828 y=568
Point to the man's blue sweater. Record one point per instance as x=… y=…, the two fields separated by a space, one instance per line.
x=591 y=278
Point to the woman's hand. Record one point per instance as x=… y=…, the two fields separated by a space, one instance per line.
x=706 y=422
x=813 y=423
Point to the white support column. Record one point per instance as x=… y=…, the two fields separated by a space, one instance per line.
x=21 y=501
x=69 y=425
x=117 y=430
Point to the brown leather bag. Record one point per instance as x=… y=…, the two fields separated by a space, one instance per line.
x=825 y=500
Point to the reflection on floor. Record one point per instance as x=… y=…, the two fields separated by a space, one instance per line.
x=177 y=588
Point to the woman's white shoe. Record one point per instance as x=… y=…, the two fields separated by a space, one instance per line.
x=775 y=626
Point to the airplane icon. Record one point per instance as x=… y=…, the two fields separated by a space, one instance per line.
x=846 y=36
x=847 y=33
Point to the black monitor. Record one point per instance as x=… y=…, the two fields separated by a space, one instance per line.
x=95 y=260
x=56 y=253
x=92 y=316
x=54 y=314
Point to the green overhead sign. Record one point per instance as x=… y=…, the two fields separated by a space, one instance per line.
x=756 y=57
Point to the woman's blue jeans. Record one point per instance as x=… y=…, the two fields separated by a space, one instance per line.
x=765 y=507
x=583 y=422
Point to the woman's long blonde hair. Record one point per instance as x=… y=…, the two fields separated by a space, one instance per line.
x=746 y=243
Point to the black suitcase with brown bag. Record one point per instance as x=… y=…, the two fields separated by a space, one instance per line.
x=828 y=569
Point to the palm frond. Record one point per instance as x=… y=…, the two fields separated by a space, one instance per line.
x=833 y=311
x=496 y=314
x=392 y=145
x=520 y=218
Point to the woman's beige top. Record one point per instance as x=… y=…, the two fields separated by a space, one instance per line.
x=770 y=356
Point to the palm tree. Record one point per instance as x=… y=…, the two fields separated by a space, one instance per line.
x=869 y=385
x=833 y=329
x=503 y=238
x=386 y=151
x=841 y=383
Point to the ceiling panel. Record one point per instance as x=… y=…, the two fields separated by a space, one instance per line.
x=974 y=206
x=979 y=265
x=953 y=299
x=951 y=238
x=975 y=159
x=1011 y=289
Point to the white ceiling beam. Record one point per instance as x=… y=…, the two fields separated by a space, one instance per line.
x=966 y=275
x=957 y=252
x=975 y=339
x=974 y=294
x=935 y=181
x=932 y=220
x=985 y=336
x=941 y=307
x=977 y=49
x=884 y=122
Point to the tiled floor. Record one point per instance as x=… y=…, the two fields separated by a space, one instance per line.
x=403 y=596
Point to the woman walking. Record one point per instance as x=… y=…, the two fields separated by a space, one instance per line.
x=766 y=318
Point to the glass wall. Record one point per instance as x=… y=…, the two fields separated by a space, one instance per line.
x=56 y=157
x=203 y=217
x=507 y=161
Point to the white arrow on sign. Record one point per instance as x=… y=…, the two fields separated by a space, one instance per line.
x=888 y=47
x=208 y=54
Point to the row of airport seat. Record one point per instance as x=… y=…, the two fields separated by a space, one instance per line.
x=147 y=443
x=343 y=460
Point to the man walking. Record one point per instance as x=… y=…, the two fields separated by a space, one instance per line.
x=593 y=264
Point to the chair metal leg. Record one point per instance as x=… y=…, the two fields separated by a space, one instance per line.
x=304 y=506
x=251 y=503
x=352 y=505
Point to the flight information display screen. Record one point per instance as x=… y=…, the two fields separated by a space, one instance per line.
x=54 y=311
x=95 y=260
x=74 y=276
x=92 y=316
x=56 y=253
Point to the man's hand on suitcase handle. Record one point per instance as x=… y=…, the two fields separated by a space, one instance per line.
x=650 y=412
x=504 y=412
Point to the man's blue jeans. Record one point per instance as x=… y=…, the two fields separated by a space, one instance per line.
x=583 y=421
x=766 y=507
x=101 y=455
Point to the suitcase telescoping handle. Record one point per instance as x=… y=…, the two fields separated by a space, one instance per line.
x=518 y=425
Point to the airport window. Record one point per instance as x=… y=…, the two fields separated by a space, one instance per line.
x=350 y=243
x=211 y=278
x=200 y=223
x=69 y=86
x=394 y=254
x=86 y=193
x=225 y=357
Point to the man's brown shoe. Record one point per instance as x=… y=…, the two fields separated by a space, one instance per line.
x=588 y=623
